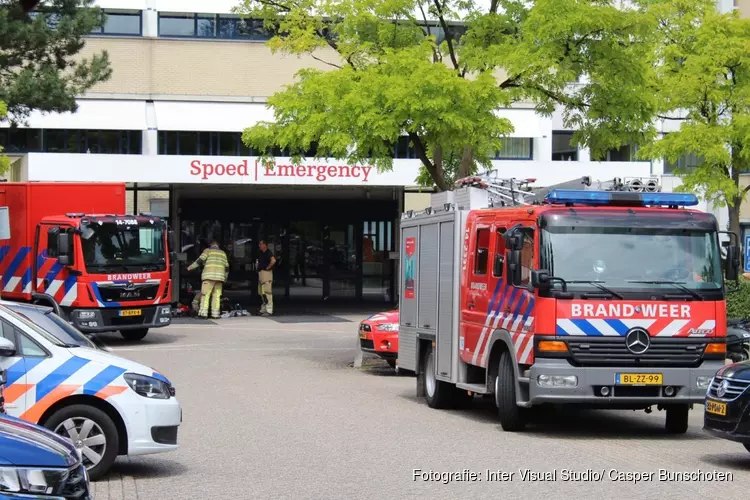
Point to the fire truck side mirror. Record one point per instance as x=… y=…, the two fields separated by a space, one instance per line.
x=7 y=348
x=514 y=267
x=64 y=248
x=732 y=264
x=540 y=279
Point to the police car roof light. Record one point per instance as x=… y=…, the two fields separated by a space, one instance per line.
x=614 y=198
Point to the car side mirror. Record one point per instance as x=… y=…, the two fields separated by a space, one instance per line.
x=732 y=263
x=7 y=348
x=513 y=265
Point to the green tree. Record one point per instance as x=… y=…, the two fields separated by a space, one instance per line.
x=39 y=64
x=438 y=70
x=4 y=162
x=703 y=83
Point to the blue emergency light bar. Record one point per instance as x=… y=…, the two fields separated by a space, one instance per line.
x=618 y=198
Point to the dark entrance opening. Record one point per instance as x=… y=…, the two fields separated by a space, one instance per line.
x=332 y=250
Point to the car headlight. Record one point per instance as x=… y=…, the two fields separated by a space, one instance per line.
x=388 y=327
x=148 y=387
x=32 y=481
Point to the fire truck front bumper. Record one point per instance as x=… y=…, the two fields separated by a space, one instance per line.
x=557 y=381
x=120 y=318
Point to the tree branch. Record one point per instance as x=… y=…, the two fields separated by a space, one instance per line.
x=435 y=52
x=325 y=62
x=448 y=37
x=493 y=6
x=662 y=117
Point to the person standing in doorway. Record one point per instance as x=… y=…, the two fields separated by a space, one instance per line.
x=266 y=261
x=215 y=273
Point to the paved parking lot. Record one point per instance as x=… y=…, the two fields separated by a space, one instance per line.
x=274 y=410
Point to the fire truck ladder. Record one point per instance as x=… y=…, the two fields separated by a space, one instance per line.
x=514 y=192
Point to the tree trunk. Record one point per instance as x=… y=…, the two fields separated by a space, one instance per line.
x=734 y=220
x=467 y=160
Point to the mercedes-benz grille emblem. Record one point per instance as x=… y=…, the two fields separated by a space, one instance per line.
x=637 y=341
x=722 y=389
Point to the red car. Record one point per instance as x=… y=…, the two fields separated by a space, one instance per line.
x=378 y=334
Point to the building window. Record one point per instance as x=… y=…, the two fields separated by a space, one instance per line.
x=623 y=153
x=684 y=162
x=404 y=149
x=211 y=26
x=121 y=23
x=515 y=148
x=177 y=25
x=562 y=147
x=245 y=29
x=71 y=141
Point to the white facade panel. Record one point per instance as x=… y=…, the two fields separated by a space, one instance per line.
x=93 y=114
x=547 y=173
x=199 y=6
x=210 y=116
x=122 y=4
x=526 y=122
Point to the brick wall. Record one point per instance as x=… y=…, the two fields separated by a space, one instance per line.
x=196 y=68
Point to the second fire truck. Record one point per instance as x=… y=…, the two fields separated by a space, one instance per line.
x=610 y=298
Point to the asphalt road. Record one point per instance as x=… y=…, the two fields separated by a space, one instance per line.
x=275 y=410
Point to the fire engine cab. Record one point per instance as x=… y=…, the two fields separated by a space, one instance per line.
x=609 y=296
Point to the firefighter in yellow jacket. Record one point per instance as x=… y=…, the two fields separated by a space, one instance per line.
x=215 y=272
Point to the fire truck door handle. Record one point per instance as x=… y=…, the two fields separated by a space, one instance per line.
x=471 y=305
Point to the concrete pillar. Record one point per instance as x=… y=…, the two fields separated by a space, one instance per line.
x=175 y=225
x=150 y=19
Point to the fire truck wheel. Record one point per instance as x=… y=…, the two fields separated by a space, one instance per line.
x=438 y=394
x=512 y=417
x=134 y=335
x=677 y=419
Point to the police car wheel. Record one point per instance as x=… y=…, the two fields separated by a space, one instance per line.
x=134 y=335
x=92 y=432
x=512 y=417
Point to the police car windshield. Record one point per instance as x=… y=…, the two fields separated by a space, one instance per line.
x=123 y=245
x=621 y=256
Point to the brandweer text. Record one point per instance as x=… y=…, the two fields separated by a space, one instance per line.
x=629 y=310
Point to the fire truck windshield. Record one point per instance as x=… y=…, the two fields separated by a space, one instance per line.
x=109 y=247
x=629 y=258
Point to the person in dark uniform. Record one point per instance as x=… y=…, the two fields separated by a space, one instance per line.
x=265 y=264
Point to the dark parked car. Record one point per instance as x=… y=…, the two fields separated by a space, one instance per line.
x=727 y=402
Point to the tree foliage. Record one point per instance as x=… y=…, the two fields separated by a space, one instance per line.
x=4 y=161
x=39 y=67
x=703 y=83
x=388 y=74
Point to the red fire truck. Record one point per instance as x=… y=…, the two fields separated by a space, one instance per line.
x=105 y=272
x=608 y=297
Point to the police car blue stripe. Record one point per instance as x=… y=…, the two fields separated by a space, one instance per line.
x=14 y=264
x=60 y=375
x=21 y=368
x=102 y=379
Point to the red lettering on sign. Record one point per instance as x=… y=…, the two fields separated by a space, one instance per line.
x=206 y=170
x=320 y=173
